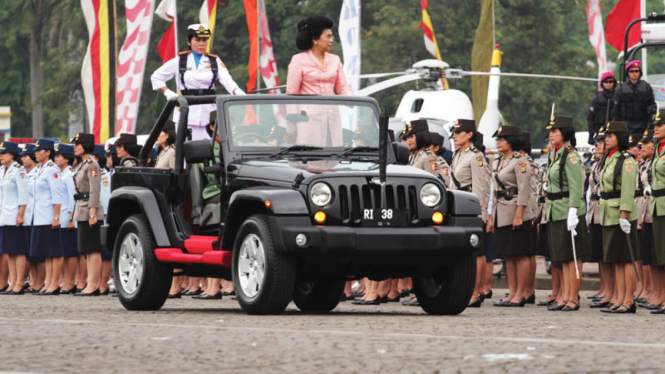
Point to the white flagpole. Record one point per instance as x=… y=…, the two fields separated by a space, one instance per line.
x=643 y=13
x=175 y=26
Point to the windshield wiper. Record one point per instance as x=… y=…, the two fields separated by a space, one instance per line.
x=295 y=148
x=359 y=149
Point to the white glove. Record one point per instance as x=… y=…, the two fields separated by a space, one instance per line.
x=625 y=225
x=238 y=91
x=572 y=220
x=170 y=94
x=647 y=191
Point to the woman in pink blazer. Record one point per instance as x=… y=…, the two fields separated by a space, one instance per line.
x=317 y=72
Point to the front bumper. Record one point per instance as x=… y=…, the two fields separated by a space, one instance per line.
x=453 y=240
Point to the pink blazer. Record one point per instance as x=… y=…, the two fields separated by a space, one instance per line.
x=307 y=77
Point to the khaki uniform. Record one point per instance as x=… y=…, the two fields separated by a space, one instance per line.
x=88 y=180
x=535 y=181
x=514 y=173
x=130 y=163
x=657 y=204
x=166 y=158
x=557 y=209
x=610 y=208
x=470 y=172
x=593 y=212
x=445 y=171
x=426 y=160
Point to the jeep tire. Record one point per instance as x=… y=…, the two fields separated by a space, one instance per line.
x=264 y=279
x=322 y=296
x=142 y=282
x=449 y=290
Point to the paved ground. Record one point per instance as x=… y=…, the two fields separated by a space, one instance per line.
x=68 y=334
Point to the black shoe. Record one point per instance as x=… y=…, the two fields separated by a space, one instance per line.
x=502 y=303
x=650 y=306
x=105 y=293
x=600 y=304
x=531 y=299
x=642 y=300
x=569 y=309
x=520 y=304
x=26 y=285
x=610 y=308
x=404 y=293
x=19 y=292
x=376 y=301
x=394 y=299
x=217 y=296
x=411 y=302
x=660 y=310
x=623 y=309
x=69 y=291
x=477 y=302
x=593 y=297
x=193 y=293
x=488 y=295
x=554 y=307
x=4 y=289
x=233 y=293
x=93 y=293
x=175 y=296
x=358 y=295
x=546 y=303
x=55 y=292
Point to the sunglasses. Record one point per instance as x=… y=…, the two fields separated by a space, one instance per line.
x=634 y=70
x=609 y=81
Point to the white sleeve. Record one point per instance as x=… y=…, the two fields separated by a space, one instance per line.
x=489 y=202
x=224 y=77
x=164 y=73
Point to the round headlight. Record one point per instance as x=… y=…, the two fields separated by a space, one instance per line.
x=320 y=194
x=430 y=195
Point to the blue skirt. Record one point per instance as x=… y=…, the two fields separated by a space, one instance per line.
x=45 y=242
x=14 y=240
x=69 y=242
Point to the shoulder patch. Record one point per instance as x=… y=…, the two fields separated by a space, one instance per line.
x=574 y=160
x=629 y=167
x=522 y=167
x=212 y=55
x=182 y=53
x=480 y=160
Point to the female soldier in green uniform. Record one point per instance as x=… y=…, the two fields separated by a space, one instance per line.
x=565 y=206
x=618 y=215
x=657 y=210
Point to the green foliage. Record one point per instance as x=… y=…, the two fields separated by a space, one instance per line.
x=546 y=37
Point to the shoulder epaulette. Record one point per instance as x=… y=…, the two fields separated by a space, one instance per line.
x=570 y=148
x=16 y=165
x=517 y=154
x=50 y=163
x=474 y=149
x=182 y=53
x=211 y=55
x=104 y=172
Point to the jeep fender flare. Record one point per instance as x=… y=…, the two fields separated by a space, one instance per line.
x=126 y=201
x=462 y=203
x=250 y=201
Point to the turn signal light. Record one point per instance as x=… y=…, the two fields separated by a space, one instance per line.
x=268 y=204
x=437 y=217
x=320 y=217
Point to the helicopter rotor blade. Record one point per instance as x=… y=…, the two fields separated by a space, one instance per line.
x=458 y=73
x=387 y=84
x=380 y=75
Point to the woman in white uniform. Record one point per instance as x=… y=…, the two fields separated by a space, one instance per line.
x=37 y=266
x=195 y=71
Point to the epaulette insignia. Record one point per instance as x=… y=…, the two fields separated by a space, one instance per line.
x=182 y=53
x=570 y=149
x=516 y=154
x=211 y=55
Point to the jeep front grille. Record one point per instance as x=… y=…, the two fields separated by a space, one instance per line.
x=353 y=199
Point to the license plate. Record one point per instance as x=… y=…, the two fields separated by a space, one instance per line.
x=384 y=217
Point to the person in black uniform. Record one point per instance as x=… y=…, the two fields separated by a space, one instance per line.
x=634 y=101
x=601 y=105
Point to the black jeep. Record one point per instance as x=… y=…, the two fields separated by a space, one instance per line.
x=311 y=194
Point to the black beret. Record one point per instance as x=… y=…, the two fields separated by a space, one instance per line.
x=125 y=139
x=415 y=127
x=507 y=131
x=467 y=125
x=83 y=138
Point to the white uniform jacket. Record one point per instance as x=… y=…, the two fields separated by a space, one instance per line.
x=13 y=192
x=47 y=191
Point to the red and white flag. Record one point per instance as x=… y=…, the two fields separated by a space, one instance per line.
x=260 y=40
x=617 y=21
x=596 y=34
x=207 y=16
x=168 y=45
x=131 y=62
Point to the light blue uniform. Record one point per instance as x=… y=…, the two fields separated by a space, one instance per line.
x=13 y=193
x=105 y=192
x=69 y=191
x=47 y=190
x=30 y=184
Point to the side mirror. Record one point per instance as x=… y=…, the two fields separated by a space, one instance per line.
x=401 y=152
x=198 y=151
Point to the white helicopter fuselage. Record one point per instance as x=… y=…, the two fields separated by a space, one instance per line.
x=448 y=105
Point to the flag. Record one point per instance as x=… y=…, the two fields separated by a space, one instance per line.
x=168 y=45
x=267 y=63
x=481 y=59
x=596 y=34
x=207 y=16
x=98 y=73
x=131 y=63
x=253 y=66
x=349 y=33
x=617 y=21
x=430 y=39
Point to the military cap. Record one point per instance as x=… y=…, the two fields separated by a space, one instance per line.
x=9 y=147
x=109 y=149
x=415 y=127
x=125 y=139
x=99 y=150
x=647 y=137
x=560 y=122
x=615 y=127
x=28 y=149
x=507 y=131
x=200 y=30
x=169 y=126
x=633 y=140
x=44 y=145
x=601 y=134
x=467 y=125
x=437 y=139
x=64 y=149
x=659 y=120
x=634 y=64
x=83 y=138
